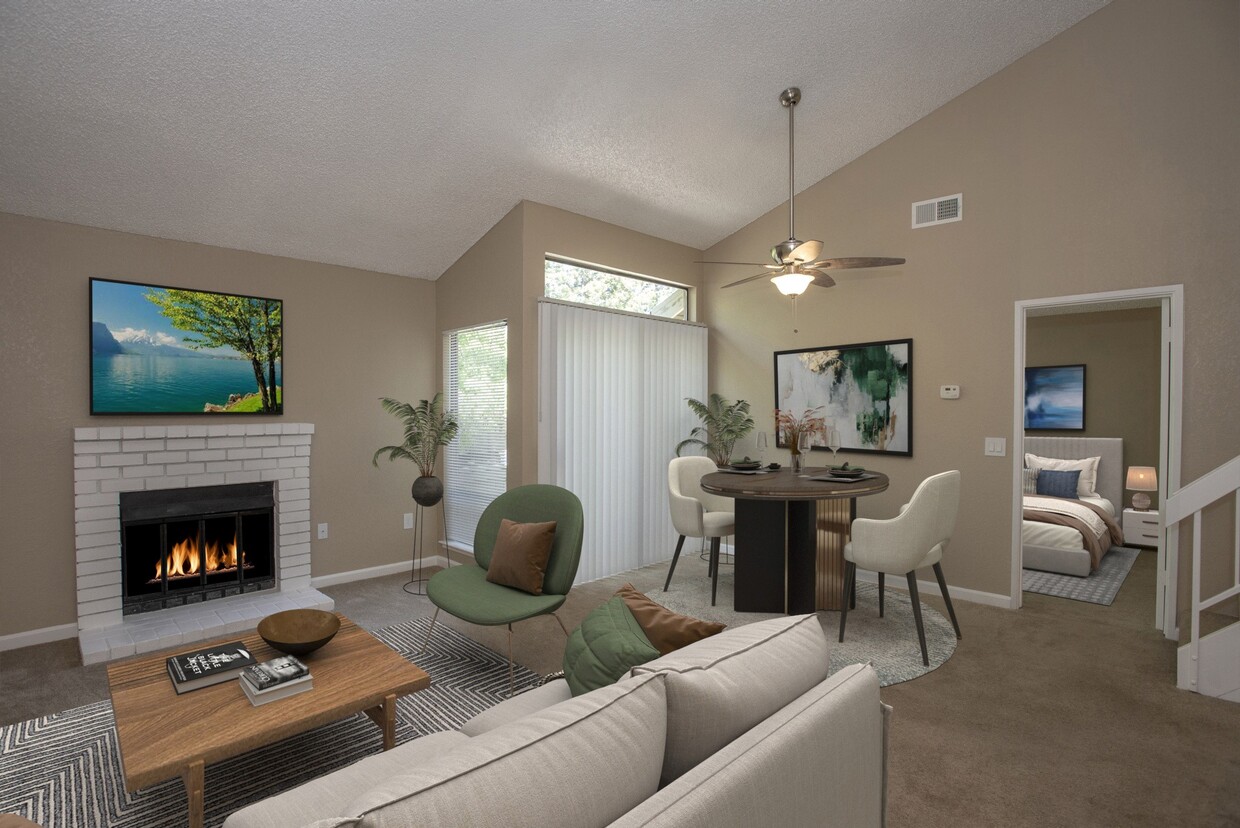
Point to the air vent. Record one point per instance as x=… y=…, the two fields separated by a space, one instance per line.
x=938 y=210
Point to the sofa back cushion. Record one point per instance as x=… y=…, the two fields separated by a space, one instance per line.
x=721 y=686
x=581 y=763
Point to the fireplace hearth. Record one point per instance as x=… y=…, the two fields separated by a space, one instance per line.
x=186 y=546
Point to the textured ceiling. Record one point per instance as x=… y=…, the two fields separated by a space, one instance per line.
x=391 y=136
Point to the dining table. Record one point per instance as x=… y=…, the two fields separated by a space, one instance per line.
x=791 y=529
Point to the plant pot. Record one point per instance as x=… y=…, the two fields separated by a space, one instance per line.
x=427 y=490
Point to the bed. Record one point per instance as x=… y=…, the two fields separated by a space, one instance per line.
x=1054 y=548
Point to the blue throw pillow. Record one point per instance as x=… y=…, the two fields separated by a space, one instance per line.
x=1058 y=483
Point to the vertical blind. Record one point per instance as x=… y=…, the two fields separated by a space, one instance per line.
x=475 y=370
x=612 y=392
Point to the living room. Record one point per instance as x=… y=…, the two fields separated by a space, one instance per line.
x=1102 y=160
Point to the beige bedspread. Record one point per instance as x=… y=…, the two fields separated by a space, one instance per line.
x=1097 y=544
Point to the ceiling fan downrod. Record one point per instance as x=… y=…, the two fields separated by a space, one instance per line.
x=789 y=99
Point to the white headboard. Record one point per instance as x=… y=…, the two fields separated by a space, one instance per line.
x=1110 y=468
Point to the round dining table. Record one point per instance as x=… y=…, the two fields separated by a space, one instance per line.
x=791 y=529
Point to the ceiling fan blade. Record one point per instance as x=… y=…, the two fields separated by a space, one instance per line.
x=847 y=262
x=823 y=280
x=805 y=252
x=747 y=264
x=748 y=279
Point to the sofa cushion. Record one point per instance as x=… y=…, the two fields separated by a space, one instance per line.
x=330 y=794
x=519 y=559
x=668 y=631
x=584 y=762
x=607 y=645
x=721 y=686
x=818 y=761
x=522 y=704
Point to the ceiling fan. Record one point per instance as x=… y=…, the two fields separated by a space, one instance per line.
x=796 y=263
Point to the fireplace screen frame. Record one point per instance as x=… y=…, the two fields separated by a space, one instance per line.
x=200 y=505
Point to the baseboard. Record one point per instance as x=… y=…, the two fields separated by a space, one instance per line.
x=45 y=635
x=976 y=596
x=373 y=572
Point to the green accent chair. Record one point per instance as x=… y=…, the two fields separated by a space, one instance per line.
x=465 y=592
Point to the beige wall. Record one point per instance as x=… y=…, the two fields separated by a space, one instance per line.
x=1103 y=160
x=501 y=277
x=1120 y=351
x=350 y=337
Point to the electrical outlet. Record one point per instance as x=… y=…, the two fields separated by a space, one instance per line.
x=949 y=392
x=408 y=520
x=996 y=446
x=322 y=531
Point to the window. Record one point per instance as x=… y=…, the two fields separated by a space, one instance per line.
x=574 y=282
x=475 y=374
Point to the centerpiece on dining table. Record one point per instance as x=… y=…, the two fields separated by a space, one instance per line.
x=798 y=433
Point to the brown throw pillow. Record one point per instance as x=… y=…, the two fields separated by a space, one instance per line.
x=519 y=559
x=666 y=630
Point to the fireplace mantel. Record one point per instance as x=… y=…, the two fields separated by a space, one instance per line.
x=111 y=460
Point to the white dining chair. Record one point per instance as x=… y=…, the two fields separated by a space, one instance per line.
x=900 y=546
x=697 y=513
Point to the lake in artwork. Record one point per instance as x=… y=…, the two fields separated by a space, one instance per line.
x=169 y=385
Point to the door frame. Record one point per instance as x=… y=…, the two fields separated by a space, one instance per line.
x=1171 y=385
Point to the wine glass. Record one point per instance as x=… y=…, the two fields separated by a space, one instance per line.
x=761 y=446
x=833 y=443
x=805 y=441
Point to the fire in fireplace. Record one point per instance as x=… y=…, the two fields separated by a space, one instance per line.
x=185 y=546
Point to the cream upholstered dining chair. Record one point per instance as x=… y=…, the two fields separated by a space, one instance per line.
x=913 y=539
x=697 y=513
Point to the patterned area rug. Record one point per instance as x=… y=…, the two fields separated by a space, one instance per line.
x=64 y=771
x=1099 y=587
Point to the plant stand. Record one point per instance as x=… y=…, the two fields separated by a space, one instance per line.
x=416 y=584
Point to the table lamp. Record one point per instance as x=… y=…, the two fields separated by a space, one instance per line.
x=1141 y=479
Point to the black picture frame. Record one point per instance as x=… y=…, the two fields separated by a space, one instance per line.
x=143 y=361
x=809 y=377
x=1055 y=397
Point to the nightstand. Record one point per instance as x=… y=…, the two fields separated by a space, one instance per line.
x=1141 y=528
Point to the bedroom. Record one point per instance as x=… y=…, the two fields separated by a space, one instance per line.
x=1105 y=363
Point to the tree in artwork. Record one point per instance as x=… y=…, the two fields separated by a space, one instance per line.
x=251 y=327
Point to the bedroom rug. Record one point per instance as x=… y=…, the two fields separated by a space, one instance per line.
x=63 y=771
x=1099 y=587
x=889 y=643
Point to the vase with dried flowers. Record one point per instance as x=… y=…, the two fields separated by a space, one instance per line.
x=795 y=430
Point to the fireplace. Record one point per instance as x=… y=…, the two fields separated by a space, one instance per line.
x=186 y=546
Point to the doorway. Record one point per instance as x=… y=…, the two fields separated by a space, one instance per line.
x=1169 y=301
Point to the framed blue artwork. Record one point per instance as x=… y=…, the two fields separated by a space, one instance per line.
x=1055 y=398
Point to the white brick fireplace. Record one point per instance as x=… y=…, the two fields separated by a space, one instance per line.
x=111 y=460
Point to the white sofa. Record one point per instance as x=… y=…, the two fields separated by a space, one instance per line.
x=740 y=729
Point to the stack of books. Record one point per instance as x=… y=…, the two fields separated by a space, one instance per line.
x=278 y=678
x=208 y=666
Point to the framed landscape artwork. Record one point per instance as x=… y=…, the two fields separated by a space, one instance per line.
x=1055 y=397
x=161 y=350
x=865 y=391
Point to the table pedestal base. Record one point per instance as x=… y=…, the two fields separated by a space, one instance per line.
x=790 y=554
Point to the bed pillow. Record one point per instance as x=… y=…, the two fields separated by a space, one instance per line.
x=1031 y=481
x=1058 y=483
x=1088 y=468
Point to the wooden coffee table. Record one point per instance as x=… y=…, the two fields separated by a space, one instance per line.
x=163 y=735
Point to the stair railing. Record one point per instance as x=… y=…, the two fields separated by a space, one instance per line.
x=1191 y=500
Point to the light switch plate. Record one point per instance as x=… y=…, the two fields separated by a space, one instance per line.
x=408 y=520
x=949 y=392
x=322 y=531
x=996 y=446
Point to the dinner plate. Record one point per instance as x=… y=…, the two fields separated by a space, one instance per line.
x=852 y=472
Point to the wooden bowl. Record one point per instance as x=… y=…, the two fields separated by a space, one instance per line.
x=299 y=631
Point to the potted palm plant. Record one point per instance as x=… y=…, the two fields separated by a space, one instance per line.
x=723 y=423
x=427 y=428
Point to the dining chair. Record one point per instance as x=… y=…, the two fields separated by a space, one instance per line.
x=913 y=539
x=465 y=592
x=697 y=513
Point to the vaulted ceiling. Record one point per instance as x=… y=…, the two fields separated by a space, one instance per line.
x=391 y=136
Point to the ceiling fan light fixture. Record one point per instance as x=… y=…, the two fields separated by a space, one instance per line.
x=792 y=284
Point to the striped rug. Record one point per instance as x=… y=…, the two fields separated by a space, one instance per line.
x=64 y=770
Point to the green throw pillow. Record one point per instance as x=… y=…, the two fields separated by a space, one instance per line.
x=607 y=645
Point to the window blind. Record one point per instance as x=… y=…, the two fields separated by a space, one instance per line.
x=476 y=463
x=612 y=390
